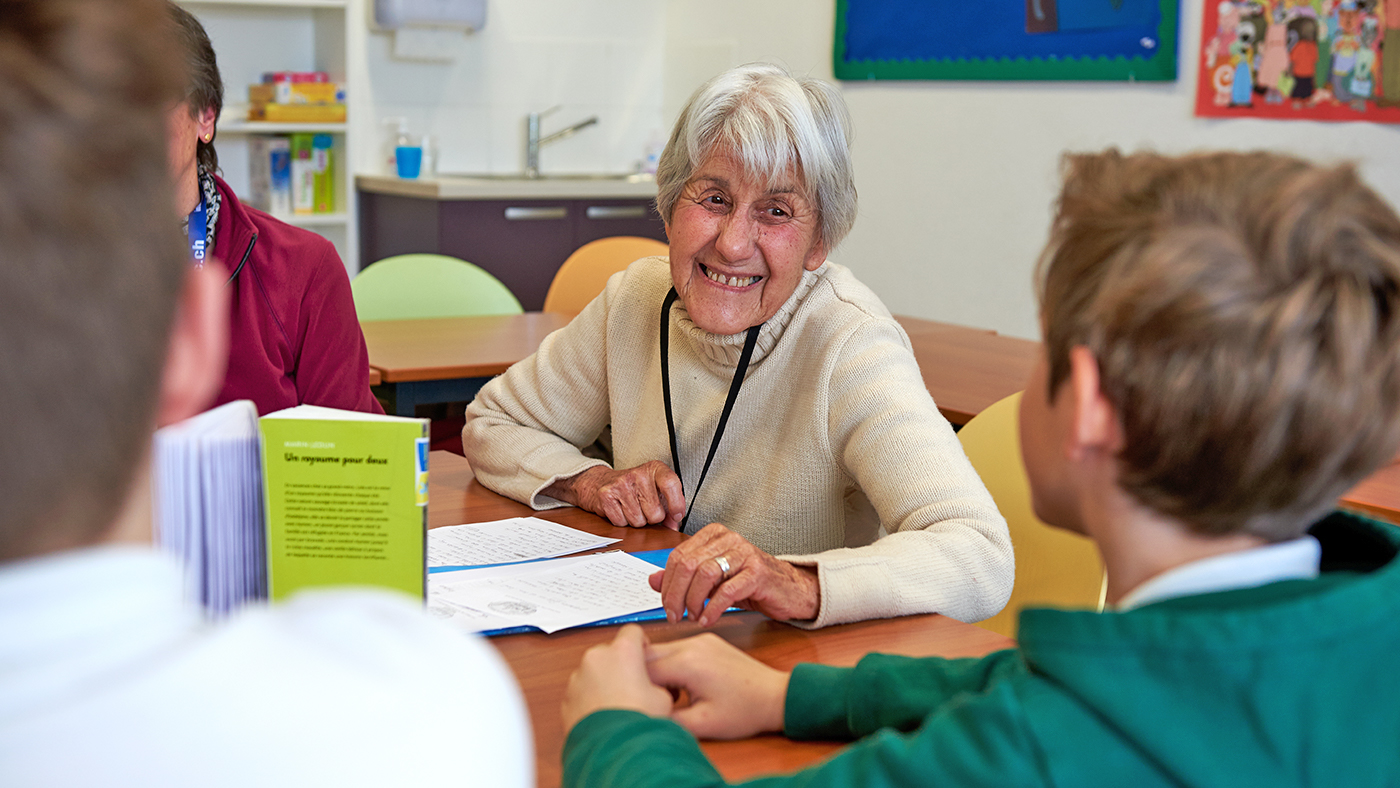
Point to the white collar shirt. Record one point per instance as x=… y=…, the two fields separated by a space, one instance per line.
x=1296 y=559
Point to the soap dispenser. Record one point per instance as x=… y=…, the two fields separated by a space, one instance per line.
x=396 y=138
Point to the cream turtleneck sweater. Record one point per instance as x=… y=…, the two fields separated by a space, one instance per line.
x=835 y=455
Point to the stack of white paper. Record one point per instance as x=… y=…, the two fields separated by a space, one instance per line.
x=550 y=595
x=209 y=507
x=507 y=541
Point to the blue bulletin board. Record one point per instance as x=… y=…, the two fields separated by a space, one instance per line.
x=1006 y=39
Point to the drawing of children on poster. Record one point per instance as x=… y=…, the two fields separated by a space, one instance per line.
x=1242 y=56
x=1363 y=73
x=1345 y=44
x=1274 y=62
x=1304 y=59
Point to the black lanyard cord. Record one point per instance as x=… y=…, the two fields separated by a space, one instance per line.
x=750 y=342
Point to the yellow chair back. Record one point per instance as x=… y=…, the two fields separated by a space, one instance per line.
x=584 y=275
x=1054 y=568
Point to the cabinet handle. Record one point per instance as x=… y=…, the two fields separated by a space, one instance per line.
x=616 y=212
x=525 y=214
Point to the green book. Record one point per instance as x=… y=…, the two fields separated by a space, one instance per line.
x=347 y=500
x=303 y=174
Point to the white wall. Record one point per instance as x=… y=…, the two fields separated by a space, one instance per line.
x=955 y=178
x=589 y=57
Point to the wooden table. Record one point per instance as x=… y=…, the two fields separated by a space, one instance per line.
x=967 y=369
x=543 y=663
x=447 y=359
x=1377 y=496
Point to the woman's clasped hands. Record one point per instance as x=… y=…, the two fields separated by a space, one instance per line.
x=649 y=494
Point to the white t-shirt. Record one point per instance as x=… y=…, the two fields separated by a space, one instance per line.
x=108 y=677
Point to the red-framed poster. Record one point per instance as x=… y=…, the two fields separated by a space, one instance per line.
x=1300 y=59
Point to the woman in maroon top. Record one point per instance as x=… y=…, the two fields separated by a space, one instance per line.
x=294 y=336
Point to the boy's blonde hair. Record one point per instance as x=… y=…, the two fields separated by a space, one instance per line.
x=1244 y=309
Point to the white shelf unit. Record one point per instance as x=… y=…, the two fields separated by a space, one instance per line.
x=229 y=126
x=314 y=220
x=254 y=36
x=272 y=3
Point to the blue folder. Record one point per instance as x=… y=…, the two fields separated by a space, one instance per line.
x=656 y=557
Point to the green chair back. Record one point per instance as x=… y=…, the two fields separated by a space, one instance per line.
x=411 y=286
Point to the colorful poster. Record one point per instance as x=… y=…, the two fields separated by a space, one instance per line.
x=1300 y=59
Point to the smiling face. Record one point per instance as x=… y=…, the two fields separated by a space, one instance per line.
x=739 y=247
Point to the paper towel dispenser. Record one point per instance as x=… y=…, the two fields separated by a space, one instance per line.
x=398 y=14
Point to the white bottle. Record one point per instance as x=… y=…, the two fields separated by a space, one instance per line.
x=397 y=135
x=429 y=167
x=653 y=153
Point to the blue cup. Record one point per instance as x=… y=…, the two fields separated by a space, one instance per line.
x=409 y=161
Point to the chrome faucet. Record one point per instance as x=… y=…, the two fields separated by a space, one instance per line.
x=533 y=141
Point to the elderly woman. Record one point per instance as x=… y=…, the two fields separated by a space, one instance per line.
x=760 y=397
x=294 y=337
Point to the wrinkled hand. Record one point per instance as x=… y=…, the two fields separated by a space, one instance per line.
x=732 y=695
x=648 y=494
x=756 y=580
x=614 y=676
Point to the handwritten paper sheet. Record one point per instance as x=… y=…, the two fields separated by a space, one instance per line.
x=507 y=541
x=551 y=595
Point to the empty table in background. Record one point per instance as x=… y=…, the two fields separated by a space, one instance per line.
x=447 y=359
x=967 y=369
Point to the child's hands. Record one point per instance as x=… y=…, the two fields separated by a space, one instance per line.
x=614 y=676
x=732 y=695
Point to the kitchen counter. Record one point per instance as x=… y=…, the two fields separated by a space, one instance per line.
x=465 y=187
x=519 y=230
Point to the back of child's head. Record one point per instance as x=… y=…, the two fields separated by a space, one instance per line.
x=90 y=260
x=1244 y=309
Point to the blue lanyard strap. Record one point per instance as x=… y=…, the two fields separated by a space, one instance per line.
x=198 y=226
x=749 y=342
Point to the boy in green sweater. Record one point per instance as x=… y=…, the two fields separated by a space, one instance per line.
x=1221 y=362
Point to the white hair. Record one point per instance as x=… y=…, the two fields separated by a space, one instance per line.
x=771 y=122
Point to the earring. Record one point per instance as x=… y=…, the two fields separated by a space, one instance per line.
x=208 y=137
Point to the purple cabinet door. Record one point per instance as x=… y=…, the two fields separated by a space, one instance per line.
x=604 y=218
x=390 y=225
x=521 y=242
